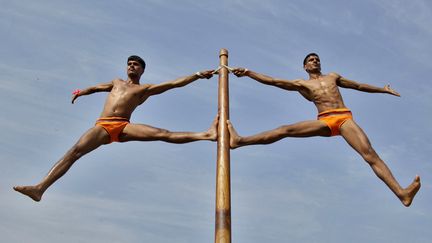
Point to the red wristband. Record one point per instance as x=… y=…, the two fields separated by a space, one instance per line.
x=77 y=91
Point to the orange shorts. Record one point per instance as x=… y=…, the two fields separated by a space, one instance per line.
x=113 y=126
x=334 y=119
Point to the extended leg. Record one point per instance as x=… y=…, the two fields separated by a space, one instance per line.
x=91 y=140
x=140 y=132
x=355 y=137
x=301 y=129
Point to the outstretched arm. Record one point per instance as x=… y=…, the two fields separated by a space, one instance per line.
x=350 y=84
x=105 y=87
x=154 y=89
x=281 y=83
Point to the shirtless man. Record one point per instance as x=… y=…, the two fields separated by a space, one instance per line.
x=333 y=119
x=113 y=124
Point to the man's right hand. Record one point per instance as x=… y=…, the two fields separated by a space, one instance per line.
x=205 y=74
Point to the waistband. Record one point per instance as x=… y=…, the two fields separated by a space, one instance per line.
x=337 y=111
x=112 y=118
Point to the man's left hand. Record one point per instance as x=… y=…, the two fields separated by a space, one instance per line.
x=390 y=90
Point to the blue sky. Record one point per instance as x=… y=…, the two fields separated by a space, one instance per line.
x=296 y=190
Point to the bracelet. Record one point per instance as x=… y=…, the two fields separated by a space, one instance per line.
x=76 y=92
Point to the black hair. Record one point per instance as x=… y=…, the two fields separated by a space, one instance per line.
x=138 y=59
x=309 y=55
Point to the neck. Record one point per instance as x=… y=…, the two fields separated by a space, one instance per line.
x=133 y=79
x=314 y=75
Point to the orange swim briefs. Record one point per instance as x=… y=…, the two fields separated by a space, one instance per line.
x=113 y=126
x=334 y=119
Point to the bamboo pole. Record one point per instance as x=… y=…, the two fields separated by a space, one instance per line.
x=223 y=180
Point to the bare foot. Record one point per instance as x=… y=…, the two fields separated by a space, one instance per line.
x=410 y=192
x=234 y=137
x=212 y=132
x=31 y=191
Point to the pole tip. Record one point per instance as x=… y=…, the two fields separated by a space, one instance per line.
x=223 y=51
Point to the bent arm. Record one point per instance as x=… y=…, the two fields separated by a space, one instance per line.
x=264 y=79
x=350 y=84
x=154 y=89
x=104 y=87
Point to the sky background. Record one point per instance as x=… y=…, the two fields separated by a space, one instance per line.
x=296 y=190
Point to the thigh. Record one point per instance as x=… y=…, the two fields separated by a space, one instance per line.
x=355 y=137
x=93 y=138
x=140 y=132
x=306 y=129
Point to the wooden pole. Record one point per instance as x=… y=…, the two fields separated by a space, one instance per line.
x=223 y=180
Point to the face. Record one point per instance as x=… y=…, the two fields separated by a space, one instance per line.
x=313 y=64
x=134 y=68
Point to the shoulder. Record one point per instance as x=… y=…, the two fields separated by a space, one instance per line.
x=333 y=74
x=146 y=86
x=295 y=84
x=298 y=82
x=117 y=80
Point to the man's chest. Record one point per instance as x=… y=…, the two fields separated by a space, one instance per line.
x=321 y=84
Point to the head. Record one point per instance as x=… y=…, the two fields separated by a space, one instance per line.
x=135 y=66
x=311 y=63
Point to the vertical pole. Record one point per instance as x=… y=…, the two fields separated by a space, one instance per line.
x=223 y=181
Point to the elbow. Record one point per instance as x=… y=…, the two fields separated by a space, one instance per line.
x=271 y=81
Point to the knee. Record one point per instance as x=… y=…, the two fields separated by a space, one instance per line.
x=162 y=134
x=285 y=130
x=370 y=156
x=76 y=152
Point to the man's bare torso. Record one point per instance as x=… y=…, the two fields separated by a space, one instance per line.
x=123 y=99
x=323 y=92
